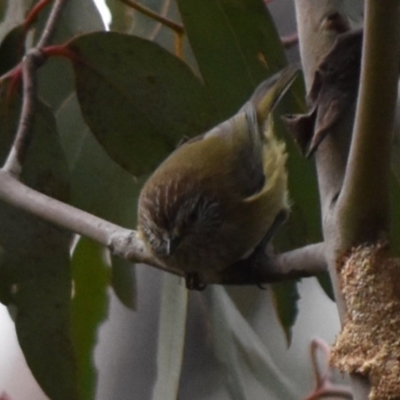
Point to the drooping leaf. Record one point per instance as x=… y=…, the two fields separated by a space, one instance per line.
x=138 y=99
x=34 y=271
x=123 y=281
x=89 y=308
x=236 y=46
x=121 y=16
x=171 y=338
x=12 y=49
x=241 y=351
x=14 y=13
x=285 y=295
x=325 y=282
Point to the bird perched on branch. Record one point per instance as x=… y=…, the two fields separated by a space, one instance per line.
x=215 y=198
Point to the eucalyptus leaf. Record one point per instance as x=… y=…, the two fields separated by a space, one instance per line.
x=12 y=49
x=14 y=13
x=236 y=46
x=137 y=98
x=121 y=16
x=123 y=281
x=89 y=309
x=34 y=270
x=286 y=295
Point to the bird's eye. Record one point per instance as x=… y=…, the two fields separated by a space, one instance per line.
x=193 y=216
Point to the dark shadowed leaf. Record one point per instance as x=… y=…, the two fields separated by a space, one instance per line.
x=326 y=284
x=35 y=273
x=91 y=276
x=14 y=13
x=12 y=49
x=236 y=46
x=121 y=16
x=123 y=281
x=285 y=295
x=138 y=99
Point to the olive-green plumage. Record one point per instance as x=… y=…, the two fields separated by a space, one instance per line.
x=214 y=199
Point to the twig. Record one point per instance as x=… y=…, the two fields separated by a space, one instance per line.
x=323 y=384
x=122 y=242
x=16 y=156
x=163 y=12
x=51 y=24
x=157 y=17
x=34 y=12
x=31 y=62
x=269 y=268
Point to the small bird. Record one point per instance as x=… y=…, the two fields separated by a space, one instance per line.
x=215 y=198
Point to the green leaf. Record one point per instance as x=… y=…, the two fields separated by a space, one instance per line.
x=138 y=99
x=89 y=308
x=14 y=13
x=326 y=284
x=286 y=295
x=236 y=46
x=35 y=273
x=241 y=352
x=123 y=281
x=121 y=16
x=12 y=49
x=171 y=338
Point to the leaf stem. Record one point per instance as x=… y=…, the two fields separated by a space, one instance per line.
x=17 y=154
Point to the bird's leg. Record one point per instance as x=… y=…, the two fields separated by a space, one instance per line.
x=259 y=251
x=193 y=281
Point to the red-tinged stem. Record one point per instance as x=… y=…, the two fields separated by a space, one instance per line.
x=34 y=13
x=61 y=51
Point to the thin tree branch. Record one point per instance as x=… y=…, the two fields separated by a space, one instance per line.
x=178 y=28
x=17 y=154
x=163 y=12
x=51 y=24
x=364 y=206
x=31 y=62
x=262 y=267
x=122 y=242
x=310 y=259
